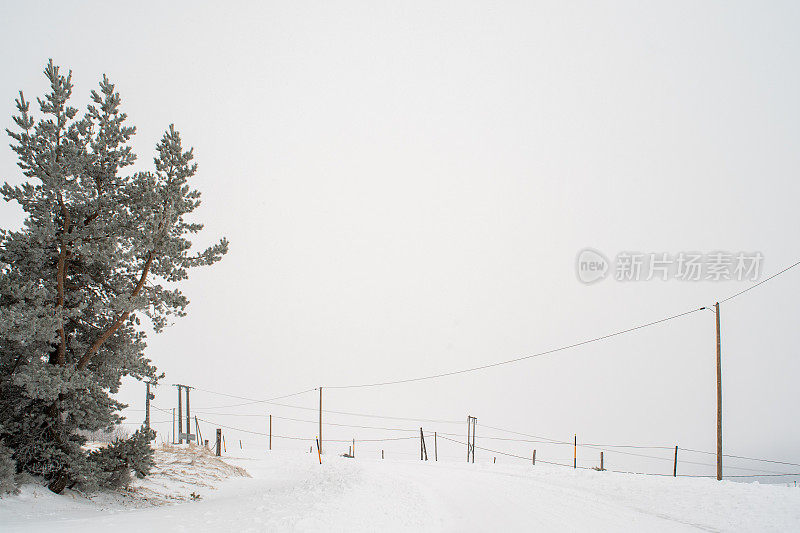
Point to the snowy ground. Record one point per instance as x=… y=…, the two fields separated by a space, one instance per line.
x=290 y=491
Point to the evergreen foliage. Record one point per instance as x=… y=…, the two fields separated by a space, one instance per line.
x=99 y=249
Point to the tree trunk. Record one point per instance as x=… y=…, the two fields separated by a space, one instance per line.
x=59 y=483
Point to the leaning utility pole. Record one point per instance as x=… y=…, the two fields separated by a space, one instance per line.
x=719 y=397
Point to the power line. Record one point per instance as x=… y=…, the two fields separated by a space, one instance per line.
x=771 y=474
x=606 y=447
x=742 y=457
x=251 y=401
x=302 y=438
x=759 y=283
x=347 y=413
x=517 y=359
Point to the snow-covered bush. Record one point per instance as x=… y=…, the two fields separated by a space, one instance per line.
x=123 y=457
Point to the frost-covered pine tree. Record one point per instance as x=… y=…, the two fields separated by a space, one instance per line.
x=99 y=248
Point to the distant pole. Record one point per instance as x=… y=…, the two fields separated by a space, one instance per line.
x=147 y=406
x=469 y=424
x=188 y=418
x=575 y=453
x=319 y=444
x=675 y=464
x=180 y=413
x=270 y=432
x=319 y=451
x=474 y=423
x=719 y=396
x=435 y=447
x=601 y=461
x=219 y=442
x=533 y=461
x=382 y=457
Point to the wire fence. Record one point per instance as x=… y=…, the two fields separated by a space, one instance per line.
x=209 y=413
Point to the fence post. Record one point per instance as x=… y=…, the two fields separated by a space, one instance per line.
x=534 y=457
x=675 y=464
x=219 y=442
x=382 y=454
x=575 y=453
x=601 y=462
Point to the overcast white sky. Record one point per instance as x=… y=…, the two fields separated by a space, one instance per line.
x=406 y=185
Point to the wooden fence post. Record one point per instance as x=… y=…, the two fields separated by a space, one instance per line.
x=219 y=442
x=575 y=453
x=534 y=457
x=601 y=462
x=675 y=464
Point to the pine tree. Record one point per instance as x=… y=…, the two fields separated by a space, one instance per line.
x=99 y=250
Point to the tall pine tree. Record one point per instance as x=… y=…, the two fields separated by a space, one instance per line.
x=99 y=248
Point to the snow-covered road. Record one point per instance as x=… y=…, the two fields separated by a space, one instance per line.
x=292 y=492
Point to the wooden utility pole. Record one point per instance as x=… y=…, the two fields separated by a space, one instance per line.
x=180 y=415
x=719 y=396
x=270 y=432
x=319 y=443
x=474 y=423
x=147 y=399
x=188 y=417
x=675 y=464
x=423 y=452
x=471 y=422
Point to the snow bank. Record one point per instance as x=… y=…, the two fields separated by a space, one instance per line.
x=291 y=491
